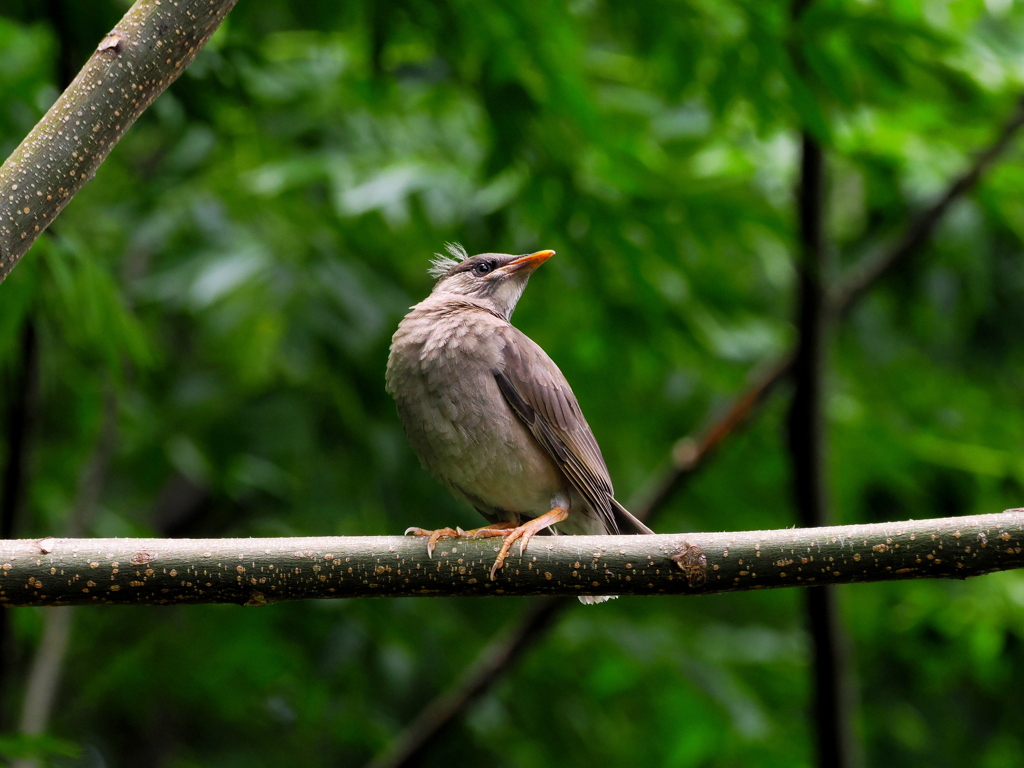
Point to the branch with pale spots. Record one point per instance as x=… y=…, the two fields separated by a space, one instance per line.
x=262 y=571
x=146 y=52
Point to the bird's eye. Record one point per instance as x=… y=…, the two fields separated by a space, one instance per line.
x=482 y=268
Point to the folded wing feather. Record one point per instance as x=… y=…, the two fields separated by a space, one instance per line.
x=542 y=398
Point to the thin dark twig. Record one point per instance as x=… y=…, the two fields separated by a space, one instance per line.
x=865 y=274
x=686 y=459
x=21 y=411
x=20 y=418
x=691 y=452
x=806 y=423
x=832 y=703
x=501 y=653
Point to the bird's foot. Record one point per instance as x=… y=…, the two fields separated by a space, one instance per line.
x=524 y=533
x=434 y=536
x=486 y=532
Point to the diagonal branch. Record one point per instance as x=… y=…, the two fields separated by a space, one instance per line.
x=690 y=454
x=146 y=52
x=504 y=651
x=865 y=274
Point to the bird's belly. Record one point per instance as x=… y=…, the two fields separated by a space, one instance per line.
x=517 y=479
x=464 y=431
x=493 y=460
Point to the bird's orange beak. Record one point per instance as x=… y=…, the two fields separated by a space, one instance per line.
x=529 y=262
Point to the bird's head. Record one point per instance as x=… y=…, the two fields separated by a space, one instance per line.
x=496 y=280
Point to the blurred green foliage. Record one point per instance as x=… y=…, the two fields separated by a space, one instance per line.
x=235 y=271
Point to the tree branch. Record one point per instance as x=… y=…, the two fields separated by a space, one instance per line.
x=261 y=571
x=20 y=423
x=21 y=414
x=862 y=276
x=146 y=52
x=504 y=651
x=837 y=746
x=691 y=452
x=806 y=416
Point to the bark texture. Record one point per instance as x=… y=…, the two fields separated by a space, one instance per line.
x=261 y=571
x=146 y=52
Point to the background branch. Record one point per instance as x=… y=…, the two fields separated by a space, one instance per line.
x=862 y=276
x=261 y=571
x=832 y=707
x=806 y=422
x=502 y=652
x=146 y=52
x=21 y=410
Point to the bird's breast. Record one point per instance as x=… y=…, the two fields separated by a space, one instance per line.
x=441 y=374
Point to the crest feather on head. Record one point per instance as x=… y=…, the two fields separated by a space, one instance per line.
x=442 y=262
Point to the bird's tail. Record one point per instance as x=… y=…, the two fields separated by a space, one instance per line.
x=625 y=522
x=594 y=599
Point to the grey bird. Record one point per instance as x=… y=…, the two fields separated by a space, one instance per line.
x=491 y=416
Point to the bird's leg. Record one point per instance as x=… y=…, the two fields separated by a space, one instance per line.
x=525 y=532
x=486 y=532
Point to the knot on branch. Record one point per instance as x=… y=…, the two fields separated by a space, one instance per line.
x=112 y=42
x=693 y=563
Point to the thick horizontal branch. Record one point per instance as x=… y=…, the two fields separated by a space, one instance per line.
x=261 y=571
x=146 y=52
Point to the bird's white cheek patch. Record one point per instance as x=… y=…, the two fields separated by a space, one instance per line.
x=507 y=295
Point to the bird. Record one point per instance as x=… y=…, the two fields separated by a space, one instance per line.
x=490 y=414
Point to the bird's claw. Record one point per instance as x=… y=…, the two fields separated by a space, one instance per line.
x=506 y=529
x=432 y=536
x=500 y=561
x=520 y=533
x=524 y=533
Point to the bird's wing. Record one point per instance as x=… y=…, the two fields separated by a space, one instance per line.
x=541 y=397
